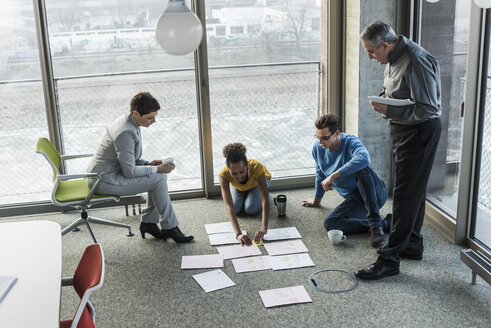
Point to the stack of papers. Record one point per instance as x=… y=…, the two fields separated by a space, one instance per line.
x=284 y=296
x=391 y=101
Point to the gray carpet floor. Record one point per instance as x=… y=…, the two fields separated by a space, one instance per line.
x=145 y=287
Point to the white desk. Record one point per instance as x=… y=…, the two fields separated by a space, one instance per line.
x=32 y=252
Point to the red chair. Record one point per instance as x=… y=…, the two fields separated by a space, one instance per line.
x=88 y=277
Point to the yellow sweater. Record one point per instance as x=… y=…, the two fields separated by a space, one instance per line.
x=255 y=171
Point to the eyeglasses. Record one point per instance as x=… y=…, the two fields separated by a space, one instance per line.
x=323 y=138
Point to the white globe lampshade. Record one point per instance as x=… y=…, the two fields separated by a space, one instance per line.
x=178 y=31
x=432 y=1
x=483 y=3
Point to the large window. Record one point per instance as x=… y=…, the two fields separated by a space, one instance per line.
x=264 y=81
x=22 y=106
x=104 y=52
x=481 y=216
x=445 y=34
x=263 y=68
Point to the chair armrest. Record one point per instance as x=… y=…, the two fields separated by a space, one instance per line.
x=76 y=176
x=67 y=281
x=68 y=157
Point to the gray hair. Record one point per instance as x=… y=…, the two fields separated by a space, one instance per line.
x=378 y=32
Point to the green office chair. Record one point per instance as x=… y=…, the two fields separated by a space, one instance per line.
x=72 y=190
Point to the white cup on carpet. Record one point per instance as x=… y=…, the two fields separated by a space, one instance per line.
x=336 y=236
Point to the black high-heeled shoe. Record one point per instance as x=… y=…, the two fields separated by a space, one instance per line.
x=151 y=228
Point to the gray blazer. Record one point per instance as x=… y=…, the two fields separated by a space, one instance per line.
x=118 y=158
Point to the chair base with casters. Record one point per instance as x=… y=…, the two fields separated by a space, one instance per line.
x=86 y=219
x=72 y=189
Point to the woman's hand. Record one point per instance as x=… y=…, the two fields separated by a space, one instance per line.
x=166 y=167
x=259 y=235
x=244 y=240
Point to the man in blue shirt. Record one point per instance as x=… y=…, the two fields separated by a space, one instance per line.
x=342 y=162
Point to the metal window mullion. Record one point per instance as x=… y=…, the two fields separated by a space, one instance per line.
x=203 y=99
x=469 y=139
x=48 y=81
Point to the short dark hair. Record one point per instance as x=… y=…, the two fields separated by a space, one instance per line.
x=235 y=153
x=379 y=32
x=330 y=121
x=144 y=103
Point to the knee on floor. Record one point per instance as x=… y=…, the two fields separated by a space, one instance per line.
x=331 y=223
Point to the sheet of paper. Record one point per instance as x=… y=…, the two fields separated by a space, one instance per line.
x=235 y=251
x=224 y=238
x=248 y=264
x=282 y=233
x=202 y=261
x=391 y=101
x=286 y=247
x=213 y=280
x=284 y=296
x=212 y=228
x=291 y=261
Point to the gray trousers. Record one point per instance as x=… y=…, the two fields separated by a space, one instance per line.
x=158 y=200
x=414 y=148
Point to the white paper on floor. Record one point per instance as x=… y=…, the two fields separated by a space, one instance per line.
x=284 y=296
x=235 y=251
x=249 y=264
x=224 y=238
x=213 y=280
x=291 y=261
x=212 y=228
x=286 y=247
x=202 y=261
x=282 y=233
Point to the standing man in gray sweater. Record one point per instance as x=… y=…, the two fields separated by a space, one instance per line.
x=410 y=73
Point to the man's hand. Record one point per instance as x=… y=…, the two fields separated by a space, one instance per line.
x=311 y=202
x=155 y=162
x=378 y=107
x=259 y=235
x=244 y=240
x=166 y=167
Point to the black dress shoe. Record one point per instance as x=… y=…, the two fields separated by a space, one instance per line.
x=377 y=239
x=151 y=228
x=176 y=234
x=412 y=254
x=378 y=270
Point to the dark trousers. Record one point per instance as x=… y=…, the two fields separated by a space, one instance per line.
x=360 y=209
x=414 y=148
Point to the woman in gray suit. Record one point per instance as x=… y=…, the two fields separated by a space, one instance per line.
x=123 y=172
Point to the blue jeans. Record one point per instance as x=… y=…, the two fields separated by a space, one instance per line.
x=248 y=201
x=360 y=210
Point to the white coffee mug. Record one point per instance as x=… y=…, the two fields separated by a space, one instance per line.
x=336 y=236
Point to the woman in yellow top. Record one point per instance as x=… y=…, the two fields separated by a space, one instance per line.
x=248 y=192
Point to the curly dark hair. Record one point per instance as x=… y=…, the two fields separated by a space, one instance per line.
x=144 y=103
x=235 y=153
